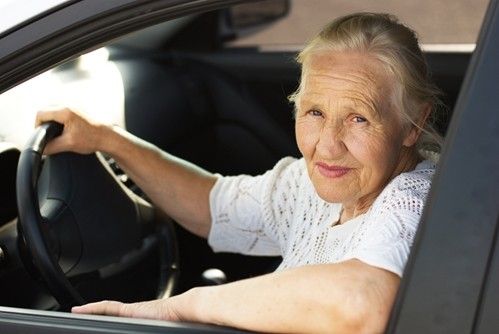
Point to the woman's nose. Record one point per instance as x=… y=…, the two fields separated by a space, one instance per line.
x=330 y=144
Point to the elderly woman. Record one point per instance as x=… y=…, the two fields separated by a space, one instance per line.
x=343 y=217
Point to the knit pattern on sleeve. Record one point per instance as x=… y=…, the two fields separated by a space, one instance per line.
x=385 y=236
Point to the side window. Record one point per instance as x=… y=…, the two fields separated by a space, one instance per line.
x=90 y=84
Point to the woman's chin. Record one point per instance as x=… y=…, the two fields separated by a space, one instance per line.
x=338 y=190
x=332 y=195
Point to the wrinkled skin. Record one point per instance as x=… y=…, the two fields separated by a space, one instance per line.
x=349 y=129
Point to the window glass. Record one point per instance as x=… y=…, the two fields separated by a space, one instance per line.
x=90 y=84
x=436 y=22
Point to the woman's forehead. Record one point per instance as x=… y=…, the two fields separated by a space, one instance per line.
x=347 y=72
x=347 y=80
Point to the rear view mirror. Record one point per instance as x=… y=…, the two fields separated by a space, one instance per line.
x=245 y=19
x=251 y=15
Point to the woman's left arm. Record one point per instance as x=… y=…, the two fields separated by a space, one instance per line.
x=347 y=297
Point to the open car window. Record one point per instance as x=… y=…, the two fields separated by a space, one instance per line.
x=159 y=81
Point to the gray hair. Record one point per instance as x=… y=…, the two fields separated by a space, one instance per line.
x=396 y=46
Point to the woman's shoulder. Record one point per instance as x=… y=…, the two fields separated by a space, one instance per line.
x=407 y=191
x=289 y=163
x=288 y=168
x=419 y=178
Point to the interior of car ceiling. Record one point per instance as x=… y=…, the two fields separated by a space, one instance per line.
x=223 y=108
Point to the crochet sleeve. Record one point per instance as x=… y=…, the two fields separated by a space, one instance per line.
x=247 y=211
x=385 y=238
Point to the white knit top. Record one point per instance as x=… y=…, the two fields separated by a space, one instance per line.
x=280 y=213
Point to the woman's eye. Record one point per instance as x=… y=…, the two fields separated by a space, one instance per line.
x=359 y=119
x=315 y=112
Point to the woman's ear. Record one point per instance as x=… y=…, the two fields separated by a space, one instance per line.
x=415 y=130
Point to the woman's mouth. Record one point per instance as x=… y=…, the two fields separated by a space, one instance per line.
x=332 y=171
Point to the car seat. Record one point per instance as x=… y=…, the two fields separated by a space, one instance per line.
x=204 y=115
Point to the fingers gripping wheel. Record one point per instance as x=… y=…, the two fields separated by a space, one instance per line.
x=75 y=216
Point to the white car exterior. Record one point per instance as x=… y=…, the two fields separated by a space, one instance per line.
x=15 y=12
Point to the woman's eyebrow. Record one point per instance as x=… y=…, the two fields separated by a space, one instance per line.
x=357 y=100
x=310 y=102
x=369 y=105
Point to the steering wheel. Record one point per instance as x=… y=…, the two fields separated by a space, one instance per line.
x=77 y=217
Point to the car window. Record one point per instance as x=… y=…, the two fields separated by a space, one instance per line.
x=437 y=22
x=95 y=85
x=90 y=84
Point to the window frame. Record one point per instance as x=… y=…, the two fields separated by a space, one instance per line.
x=450 y=262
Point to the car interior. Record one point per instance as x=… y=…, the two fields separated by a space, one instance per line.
x=223 y=108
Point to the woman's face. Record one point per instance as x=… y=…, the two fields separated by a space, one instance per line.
x=348 y=128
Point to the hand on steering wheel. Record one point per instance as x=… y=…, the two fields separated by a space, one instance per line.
x=75 y=216
x=79 y=134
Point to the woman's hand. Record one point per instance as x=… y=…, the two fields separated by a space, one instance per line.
x=80 y=135
x=177 y=187
x=162 y=309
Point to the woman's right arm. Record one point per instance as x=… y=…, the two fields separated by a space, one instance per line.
x=178 y=187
